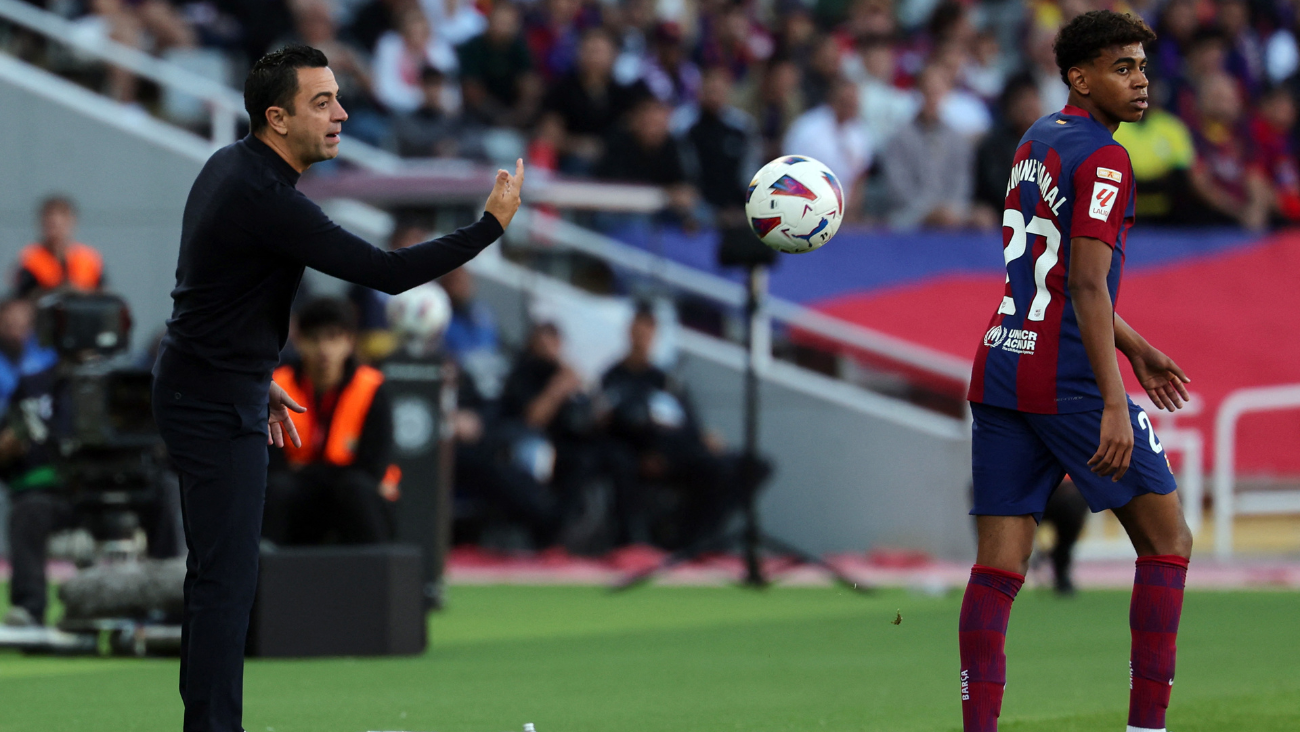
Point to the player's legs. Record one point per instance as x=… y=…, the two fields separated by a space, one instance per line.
x=1005 y=542
x=1146 y=503
x=1014 y=474
x=1163 y=542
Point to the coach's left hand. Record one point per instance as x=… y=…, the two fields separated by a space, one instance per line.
x=503 y=201
x=278 y=422
x=1163 y=381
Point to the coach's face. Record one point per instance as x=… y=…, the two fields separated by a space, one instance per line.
x=312 y=131
x=1116 y=81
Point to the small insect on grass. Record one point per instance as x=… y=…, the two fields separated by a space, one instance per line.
x=898 y=618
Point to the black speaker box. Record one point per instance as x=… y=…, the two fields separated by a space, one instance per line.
x=339 y=601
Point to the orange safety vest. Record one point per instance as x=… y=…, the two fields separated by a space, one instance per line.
x=345 y=427
x=85 y=268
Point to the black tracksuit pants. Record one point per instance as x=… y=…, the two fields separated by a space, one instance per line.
x=220 y=453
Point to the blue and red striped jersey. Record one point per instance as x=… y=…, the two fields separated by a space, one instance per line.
x=1069 y=179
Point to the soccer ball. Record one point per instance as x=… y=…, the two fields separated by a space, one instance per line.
x=795 y=204
x=421 y=313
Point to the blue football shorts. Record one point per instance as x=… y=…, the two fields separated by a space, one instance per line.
x=1019 y=458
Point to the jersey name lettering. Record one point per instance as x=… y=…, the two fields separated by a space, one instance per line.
x=1034 y=171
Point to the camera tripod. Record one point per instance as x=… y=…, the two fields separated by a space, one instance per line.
x=749 y=537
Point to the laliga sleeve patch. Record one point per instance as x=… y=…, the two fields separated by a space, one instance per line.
x=1103 y=200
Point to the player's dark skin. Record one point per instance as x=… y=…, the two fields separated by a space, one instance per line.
x=1113 y=89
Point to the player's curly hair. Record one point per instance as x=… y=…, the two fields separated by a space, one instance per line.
x=1084 y=38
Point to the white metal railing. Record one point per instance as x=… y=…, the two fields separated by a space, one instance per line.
x=225 y=105
x=492 y=266
x=1227 y=502
x=556 y=231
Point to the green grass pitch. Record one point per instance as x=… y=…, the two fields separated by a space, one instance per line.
x=674 y=659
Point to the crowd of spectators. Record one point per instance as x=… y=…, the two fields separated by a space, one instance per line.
x=917 y=102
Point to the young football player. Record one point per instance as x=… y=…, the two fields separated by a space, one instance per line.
x=1046 y=392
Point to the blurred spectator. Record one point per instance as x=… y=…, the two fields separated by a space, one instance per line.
x=315 y=26
x=821 y=71
x=544 y=401
x=730 y=38
x=929 y=166
x=152 y=26
x=775 y=101
x=1161 y=150
x=835 y=134
x=373 y=20
x=491 y=484
x=471 y=338
x=1042 y=57
x=797 y=33
x=631 y=23
x=336 y=487
x=670 y=76
x=961 y=110
x=590 y=103
x=1175 y=30
x=1245 y=58
x=554 y=35
x=1020 y=108
x=723 y=146
x=1227 y=177
x=647 y=153
x=454 y=21
x=983 y=72
x=885 y=107
x=401 y=57
x=650 y=417
x=57 y=260
x=20 y=353
x=498 y=83
x=431 y=131
x=1206 y=55
x=1273 y=131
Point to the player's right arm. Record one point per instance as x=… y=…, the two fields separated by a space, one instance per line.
x=1090 y=262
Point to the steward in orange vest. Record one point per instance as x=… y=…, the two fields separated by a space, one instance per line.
x=39 y=269
x=57 y=260
x=339 y=485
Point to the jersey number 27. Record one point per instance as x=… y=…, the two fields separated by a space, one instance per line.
x=1016 y=248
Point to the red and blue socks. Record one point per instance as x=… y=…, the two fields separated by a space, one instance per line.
x=1153 y=618
x=982 y=635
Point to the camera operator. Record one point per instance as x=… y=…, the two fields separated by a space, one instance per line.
x=334 y=487
x=40 y=410
x=651 y=418
x=544 y=400
x=20 y=353
x=486 y=477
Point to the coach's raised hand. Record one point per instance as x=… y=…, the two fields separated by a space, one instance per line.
x=503 y=201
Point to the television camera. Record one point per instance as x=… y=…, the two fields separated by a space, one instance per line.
x=103 y=444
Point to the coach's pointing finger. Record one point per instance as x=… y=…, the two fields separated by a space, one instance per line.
x=503 y=201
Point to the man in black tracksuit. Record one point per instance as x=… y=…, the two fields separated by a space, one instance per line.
x=246 y=236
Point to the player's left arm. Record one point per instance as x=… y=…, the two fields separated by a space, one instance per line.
x=1162 y=379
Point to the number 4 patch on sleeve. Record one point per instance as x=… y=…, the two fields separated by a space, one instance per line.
x=1103 y=200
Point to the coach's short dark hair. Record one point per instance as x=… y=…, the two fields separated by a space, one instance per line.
x=273 y=81
x=327 y=313
x=1084 y=38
